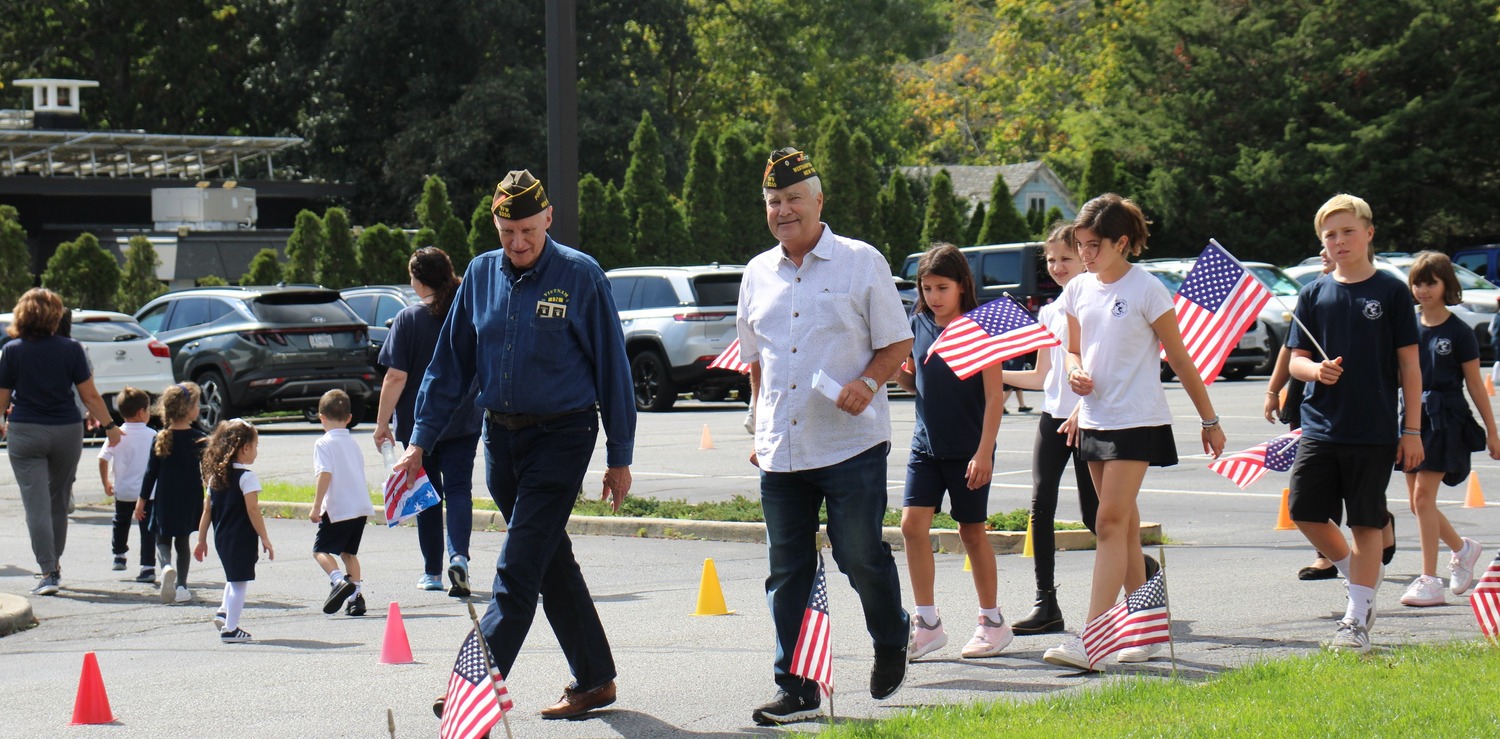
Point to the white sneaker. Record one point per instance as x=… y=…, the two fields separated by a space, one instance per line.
x=925 y=638
x=1350 y=637
x=1138 y=654
x=990 y=638
x=183 y=595
x=1424 y=591
x=168 y=584
x=1461 y=567
x=1068 y=654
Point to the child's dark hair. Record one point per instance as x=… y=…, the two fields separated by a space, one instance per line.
x=176 y=403
x=1433 y=266
x=945 y=260
x=223 y=446
x=1112 y=217
x=131 y=401
x=432 y=267
x=334 y=405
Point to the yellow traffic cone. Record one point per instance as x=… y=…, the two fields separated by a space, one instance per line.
x=707 y=441
x=1284 y=519
x=968 y=566
x=1489 y=385
x=1475 y=497
x=710 y=595
x=1026 y=550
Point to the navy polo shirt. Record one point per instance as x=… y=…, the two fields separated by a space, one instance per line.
x=950 y=411
x=42 y=393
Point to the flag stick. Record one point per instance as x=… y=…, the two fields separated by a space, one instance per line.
x=1278 y=300
x=831 y=720
x=390 y=721
x=1161 y=551
x=489 y=670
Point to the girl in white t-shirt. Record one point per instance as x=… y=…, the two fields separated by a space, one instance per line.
x=1118 y=314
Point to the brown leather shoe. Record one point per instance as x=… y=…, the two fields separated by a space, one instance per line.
x=574 y=704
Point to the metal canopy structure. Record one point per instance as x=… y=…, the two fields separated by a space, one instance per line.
x=51 y=153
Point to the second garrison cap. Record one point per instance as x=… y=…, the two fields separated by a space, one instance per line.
x=786 y=167
x=518 y=196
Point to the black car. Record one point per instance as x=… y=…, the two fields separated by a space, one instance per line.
x=1000 y=269
x=377 y=306
x=258 y=349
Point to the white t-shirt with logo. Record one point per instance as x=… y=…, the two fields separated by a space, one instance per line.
x=1059 y=399
x=1120 y=350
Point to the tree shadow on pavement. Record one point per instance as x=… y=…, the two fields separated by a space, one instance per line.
x=635 y=723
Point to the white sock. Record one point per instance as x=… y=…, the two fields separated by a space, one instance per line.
x=1359 y=603
x=359 y=587
x=1462 y=551
x=335 y=576
x=234 y=602
x=1343 y=565
x=993 y=614
x=928 y=614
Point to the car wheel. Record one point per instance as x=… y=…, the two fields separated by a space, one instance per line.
x=1166 y=372
x=213 y=402
x=1234 y=373
x=356 y=412
x=654 y=390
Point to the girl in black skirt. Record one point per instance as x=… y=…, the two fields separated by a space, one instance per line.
x=174 y=487
x=233 y=506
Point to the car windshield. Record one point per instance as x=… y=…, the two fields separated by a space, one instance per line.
x=1467 y=279
x=1275 y=281
x=311 y=307
x=108 y=331
x=717 y=290
x=1172 y=280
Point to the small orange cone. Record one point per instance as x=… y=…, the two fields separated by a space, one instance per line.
x=1284 y=519
x=1026 y=551
x=1489 y=385
x=396 y=650
x=710 y=595
x=92 y=704
x=707 y=441
x=1475 y=496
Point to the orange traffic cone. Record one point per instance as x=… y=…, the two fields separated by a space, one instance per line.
x=92 y=704
x=707 y=440
x=396 y=649
x=1489 y=385
x=1284 y=519
x=710 y=594
x=1475 y=496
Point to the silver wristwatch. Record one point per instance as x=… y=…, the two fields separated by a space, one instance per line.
x=870 y=382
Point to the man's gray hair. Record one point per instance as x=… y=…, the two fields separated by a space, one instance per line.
x=814 y=186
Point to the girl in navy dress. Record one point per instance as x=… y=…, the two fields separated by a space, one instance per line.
x=233 y=506
x=177 y=501
x=1449 y=355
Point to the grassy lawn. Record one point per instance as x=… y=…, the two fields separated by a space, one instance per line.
x=1424 y=690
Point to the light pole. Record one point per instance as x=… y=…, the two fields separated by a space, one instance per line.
x=562 y=119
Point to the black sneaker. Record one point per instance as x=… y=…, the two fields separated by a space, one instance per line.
x=888 y=673
x=787 y=708
x=238 y=636
x=119 y=565
x=355 y=606
x=1152 y=566
x=458 y=575
x=148 y=574
x=337 y=594
x=220 y=619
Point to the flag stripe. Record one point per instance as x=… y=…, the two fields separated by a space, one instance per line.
x=1485 y=600
x=1139 y=620
x=730 y=359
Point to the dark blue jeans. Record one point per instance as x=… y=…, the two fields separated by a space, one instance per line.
x=450 y=467
x=855 y=490
x=534 y=476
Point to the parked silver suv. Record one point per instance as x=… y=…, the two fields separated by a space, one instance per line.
x=676 y=321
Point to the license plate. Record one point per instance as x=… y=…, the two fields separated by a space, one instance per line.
x=321 y=341
x=1248 y=341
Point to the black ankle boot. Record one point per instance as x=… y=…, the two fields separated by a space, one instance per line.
x=1045 y=616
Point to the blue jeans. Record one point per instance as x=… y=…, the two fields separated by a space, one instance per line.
x=450 y=468
x=534 y=476
x=855 y=490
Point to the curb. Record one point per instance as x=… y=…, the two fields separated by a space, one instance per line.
x=15 y=614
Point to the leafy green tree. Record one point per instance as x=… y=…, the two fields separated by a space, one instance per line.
x=453 y=239
x=1098 y=174
x=265 y=269
x=741 y=167
x=435 y=212
x=863 y=189
x=138 y=284
x=15 y=279
x=602 y=229
x=210 y=281
x=702 y=200
x=942 y=222
x=1003 y=224
x=834 y=158
x=975 y=227
x=383 y=254
x=1053 y=219
x=424 y=237
x=1035 y=221
x=897 y=212
x=658 y=236
x=304 y=247
x=83 y=274
x=482 y=234
x=338 y=266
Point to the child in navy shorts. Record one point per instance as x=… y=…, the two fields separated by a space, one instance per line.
x=342 y=505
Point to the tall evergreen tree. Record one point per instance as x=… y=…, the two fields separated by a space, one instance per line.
x=741 y=167
x=83 y=274
x=1003 y=224
x=602 y=230
x=303 y=248
x=423 y=237
x=383 y=253
x=1053 y=219
x=435 y=212
x=15 y=279
x=658 y=235
x=138 y=284
x=1098 y=174
x=834 y=159
x=702 y=201
x=482 y=234
x=265 y=269
x=897 y=212
x=338 y=265
x=942 y=222
x=1035 y=220
x=210 y=281
x=975 y=227
x=864 y=188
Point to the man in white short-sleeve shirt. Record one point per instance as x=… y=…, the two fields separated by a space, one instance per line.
x=822 y=303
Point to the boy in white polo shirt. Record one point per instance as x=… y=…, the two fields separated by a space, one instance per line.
x=342 y=505
x=129 y=459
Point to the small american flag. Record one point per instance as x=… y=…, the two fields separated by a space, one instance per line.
x=1485 y=600
x=988 y=335
x=1243 y=468
x=813 y=657
x=1216 y=305
x=470 y=707
x=1139 y=620
x=730 y=359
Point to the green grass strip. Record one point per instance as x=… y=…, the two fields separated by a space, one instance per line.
x=1420 y=690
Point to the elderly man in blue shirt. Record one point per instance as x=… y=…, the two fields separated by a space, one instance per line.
x=536 y=324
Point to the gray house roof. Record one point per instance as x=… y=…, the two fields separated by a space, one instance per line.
x=972 y=182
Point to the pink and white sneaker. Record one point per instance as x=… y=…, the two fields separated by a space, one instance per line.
x=990 y=638
x=925 y=638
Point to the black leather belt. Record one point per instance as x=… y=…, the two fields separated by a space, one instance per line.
x=518 y=421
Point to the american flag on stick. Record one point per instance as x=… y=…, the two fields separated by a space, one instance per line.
x=1485 y=600
x=813 y=657
x=1139 y=620
x=730 y=359
x=988 y=335
x=1216 y=305
x=1243 y=468
x=471 y=707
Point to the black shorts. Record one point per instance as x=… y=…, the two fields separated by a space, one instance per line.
x=341 y=537
x=1153 y=445
x=927 y=478
x=1329 y=478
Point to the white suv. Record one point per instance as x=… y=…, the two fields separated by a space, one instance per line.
x=121 y=353
x=676 y=321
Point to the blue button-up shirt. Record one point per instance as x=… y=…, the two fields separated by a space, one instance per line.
x=543 y=340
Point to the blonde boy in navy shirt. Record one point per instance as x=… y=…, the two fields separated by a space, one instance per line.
x=342 y=506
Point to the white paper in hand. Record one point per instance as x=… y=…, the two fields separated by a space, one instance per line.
x=831 y=388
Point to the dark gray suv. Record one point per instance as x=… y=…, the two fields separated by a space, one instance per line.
x=258 y=349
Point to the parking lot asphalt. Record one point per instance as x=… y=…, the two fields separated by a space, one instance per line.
x=1234 y=600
